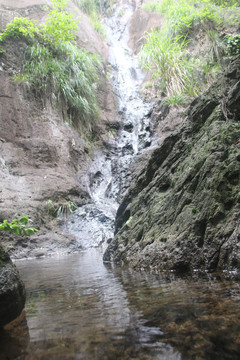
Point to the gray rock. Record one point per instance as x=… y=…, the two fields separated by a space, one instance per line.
x=182 y=212
x=12 y=291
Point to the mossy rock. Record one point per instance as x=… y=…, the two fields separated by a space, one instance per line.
x=12 y=291
x=187 y=198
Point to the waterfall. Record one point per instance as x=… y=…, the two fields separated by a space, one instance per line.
x=109 y=175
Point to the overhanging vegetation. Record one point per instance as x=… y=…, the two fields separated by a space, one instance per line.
x=178 y=71
x=55 y=68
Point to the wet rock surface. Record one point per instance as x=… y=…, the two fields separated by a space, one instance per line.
x=12 y=291
x=183 y=210
x=111 y=172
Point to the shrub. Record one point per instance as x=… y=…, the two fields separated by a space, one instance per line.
x=59 y=26
x=181 y=15
x=20 y=27
x=232 y=43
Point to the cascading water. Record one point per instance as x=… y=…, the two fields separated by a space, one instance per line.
x=109 y=175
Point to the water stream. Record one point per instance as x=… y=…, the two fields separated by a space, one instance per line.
x=109 y=174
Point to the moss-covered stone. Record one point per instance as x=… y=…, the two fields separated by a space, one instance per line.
x=185 y=205
x=12 y=291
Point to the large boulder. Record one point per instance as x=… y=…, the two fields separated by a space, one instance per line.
x=12 y=291
x=183 y=210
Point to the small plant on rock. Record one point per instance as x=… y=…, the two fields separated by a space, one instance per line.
x=64 y=208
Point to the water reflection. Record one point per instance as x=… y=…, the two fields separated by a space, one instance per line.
x=14 y=338
x=79 y=308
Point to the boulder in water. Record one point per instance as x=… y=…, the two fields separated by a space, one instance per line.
x=12 y=291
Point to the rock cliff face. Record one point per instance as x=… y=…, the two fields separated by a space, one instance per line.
x=41 y=157
x=183 y=210
x=12 y=291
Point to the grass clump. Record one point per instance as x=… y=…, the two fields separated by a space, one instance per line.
x=166 y=53
x=167 y=60
x=93 y=9
x=100 y=7
x=55 y=68
x=87 y=6
x=95 y=20
x=65 y=75
x=64 y=208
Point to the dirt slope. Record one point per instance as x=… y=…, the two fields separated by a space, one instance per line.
x=41 y=157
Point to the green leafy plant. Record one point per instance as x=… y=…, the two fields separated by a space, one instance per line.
x=66 y=208
x=59 y=26
x=66 y=75
x=18 y=226
x=232 y=43
x=21 y=27
x=182 y=15
x=217 y=46
x=148 y=85
x=176 y=99
x=97 y=6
